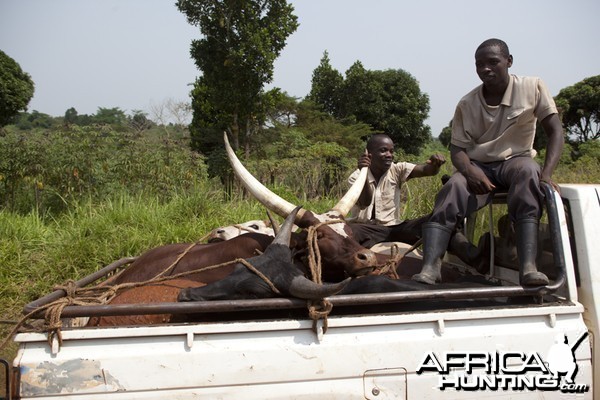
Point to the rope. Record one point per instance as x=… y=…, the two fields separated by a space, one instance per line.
x=317 y=309
x=260 y=274
x=389 y=267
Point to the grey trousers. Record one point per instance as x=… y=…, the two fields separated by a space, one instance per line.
x=520 y=176
x=408 y=231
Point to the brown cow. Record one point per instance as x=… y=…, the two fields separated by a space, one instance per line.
x=161 y=292
x=183 y=257
x=194 y=257
x=341 y=255
x=275 y=263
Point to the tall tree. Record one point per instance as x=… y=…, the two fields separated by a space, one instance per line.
x=16 y=89
x=241 y=40
x=326 y=86
x=405 y=109
x=389 y=101
x=580 y=109
x=445 y=136
x=110 y=116
x=71 y=116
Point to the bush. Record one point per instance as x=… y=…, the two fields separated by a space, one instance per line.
x=49 y=170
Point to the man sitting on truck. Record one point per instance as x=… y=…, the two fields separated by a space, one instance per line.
x=376 y=215
x=492 y=149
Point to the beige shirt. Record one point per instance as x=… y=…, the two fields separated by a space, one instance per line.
x=386 y=196
x=497 y=133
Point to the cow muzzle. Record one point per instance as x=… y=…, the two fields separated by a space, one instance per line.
x=365 y=262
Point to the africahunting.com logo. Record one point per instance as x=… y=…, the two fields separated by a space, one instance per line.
x=516 y=371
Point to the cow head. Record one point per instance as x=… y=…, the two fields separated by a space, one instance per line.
x=231 y=231
x=341 y=254
x=276 y=265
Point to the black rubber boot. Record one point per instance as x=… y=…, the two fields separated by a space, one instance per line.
x=526 y=231
x=477 y=257
x=435 y=242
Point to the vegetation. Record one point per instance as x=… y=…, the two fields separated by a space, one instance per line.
x=389 y=101
x=16 y=89
x=48 y=170
x=240 y=43
x=580 y=109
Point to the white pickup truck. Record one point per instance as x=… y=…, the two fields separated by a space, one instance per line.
x=498 y=341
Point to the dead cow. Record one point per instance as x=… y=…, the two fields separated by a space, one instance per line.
x=271 y=274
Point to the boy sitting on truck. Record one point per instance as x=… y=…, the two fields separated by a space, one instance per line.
x=376 y=214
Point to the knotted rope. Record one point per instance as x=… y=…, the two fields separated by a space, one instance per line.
x=389 y=267
x=317 y=309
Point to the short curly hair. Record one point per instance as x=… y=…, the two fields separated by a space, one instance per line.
x=495 y=42
x=374 y=140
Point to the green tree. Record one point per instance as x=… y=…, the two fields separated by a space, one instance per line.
x=241 y=40
x=35 y=119
x=139 y=121
x=110 y=116
x=389 y=101
x=580 y=109
x=323 y=127
x=326 y=86
x=16 y=89
x=392 y=102
x=358 y=87
x=282 y=110
x=446 y=135
x=71 y=116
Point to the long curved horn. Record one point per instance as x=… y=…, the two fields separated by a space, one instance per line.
x=351 y=197
x=285 y=232
x=269 y=199
x=303 y=288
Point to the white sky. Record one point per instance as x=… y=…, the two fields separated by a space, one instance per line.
x=134 y=54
